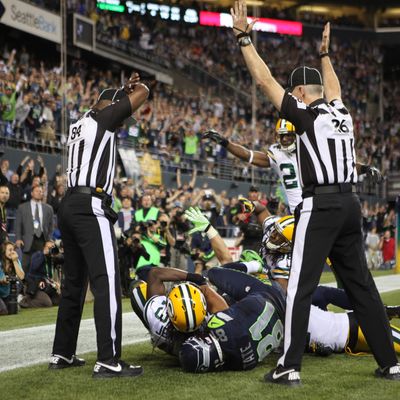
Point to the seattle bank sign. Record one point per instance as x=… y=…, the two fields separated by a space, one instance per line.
x=34 y=20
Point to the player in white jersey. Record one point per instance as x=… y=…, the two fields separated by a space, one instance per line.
x=281 y=157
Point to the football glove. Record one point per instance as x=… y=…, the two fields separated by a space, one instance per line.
x=215 y=137
x=196 y=217
x=374 y=174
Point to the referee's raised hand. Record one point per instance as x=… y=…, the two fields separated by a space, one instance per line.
x=132 y=82
x=239 y=17
x=324 y=47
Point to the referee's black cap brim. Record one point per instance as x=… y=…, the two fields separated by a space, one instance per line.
x=304 y=76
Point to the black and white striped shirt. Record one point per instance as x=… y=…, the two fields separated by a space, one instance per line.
x=92 y=146
x=325 y=141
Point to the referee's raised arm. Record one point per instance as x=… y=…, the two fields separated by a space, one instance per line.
x=257 y=67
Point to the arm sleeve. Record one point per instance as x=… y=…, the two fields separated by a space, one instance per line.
x=338 y=104
x=113 y=115
x=295 y=111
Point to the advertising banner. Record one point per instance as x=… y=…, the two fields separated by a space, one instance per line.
x=31 y=19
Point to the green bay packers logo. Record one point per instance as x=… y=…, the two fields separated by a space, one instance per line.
x=186 y=307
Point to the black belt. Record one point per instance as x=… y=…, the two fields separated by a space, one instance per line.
x=329 y=189
x=98 y=192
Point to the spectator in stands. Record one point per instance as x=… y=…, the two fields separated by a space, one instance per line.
x=34 y=225
x=146 y=212
x=56 y=196
x=4 y=196
x=126 y=214
x=387 y=246
x=9 y=266
x=14 y=201
x=8 y=105
x=5 y=169
x=372 y=243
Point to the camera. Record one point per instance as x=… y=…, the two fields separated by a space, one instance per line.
x=54 y=251
x=13 y=303
x=163 y=224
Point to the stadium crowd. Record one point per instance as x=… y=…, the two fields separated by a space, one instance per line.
x=31 y=111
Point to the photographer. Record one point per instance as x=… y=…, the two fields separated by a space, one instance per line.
x=145 y=245
x=168 y=236
x=179 y=226
x=42 y=290
x=10 y=271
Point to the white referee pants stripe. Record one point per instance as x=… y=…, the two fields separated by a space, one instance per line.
x=297 y=261
x=109 y=256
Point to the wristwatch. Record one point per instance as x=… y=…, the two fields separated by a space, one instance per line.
x=244 y=41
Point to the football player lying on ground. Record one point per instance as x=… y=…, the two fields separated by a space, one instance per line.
x=275 y=250
x=167 y=317
x=328 y=332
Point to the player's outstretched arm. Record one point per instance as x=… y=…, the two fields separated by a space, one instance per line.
x=331 y=82
x=202 y=224
x=257 y=158
x=157 y=277
x=257 y=67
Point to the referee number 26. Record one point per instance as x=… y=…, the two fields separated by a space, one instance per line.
x=340 y=126
x=76 y=132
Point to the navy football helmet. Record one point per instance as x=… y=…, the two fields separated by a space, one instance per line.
x=199 y=355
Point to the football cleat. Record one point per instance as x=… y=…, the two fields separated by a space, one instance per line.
x=186 y=307
x=391 y=373
x=116 y=369
x=60 y=362
x=392 y=311
x=283 y=376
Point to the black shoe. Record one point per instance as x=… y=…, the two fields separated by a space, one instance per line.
x=282 y=376
x=392 y=311
x=392 y=373
x=116 y=369
x=60 y=362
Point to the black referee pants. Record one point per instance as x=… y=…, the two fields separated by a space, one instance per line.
x=330 y=225
x=90 y=252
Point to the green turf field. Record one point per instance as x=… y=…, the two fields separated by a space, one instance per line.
x=335 y=377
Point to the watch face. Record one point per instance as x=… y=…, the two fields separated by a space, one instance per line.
x=244 y=41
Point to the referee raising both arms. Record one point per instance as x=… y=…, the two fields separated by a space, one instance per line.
x=328 y=221
x=86 y=220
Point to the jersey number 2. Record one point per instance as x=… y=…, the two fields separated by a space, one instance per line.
x=290 y=178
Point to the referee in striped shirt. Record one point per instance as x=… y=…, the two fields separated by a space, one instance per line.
x=328 y=221
x=86 y=219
